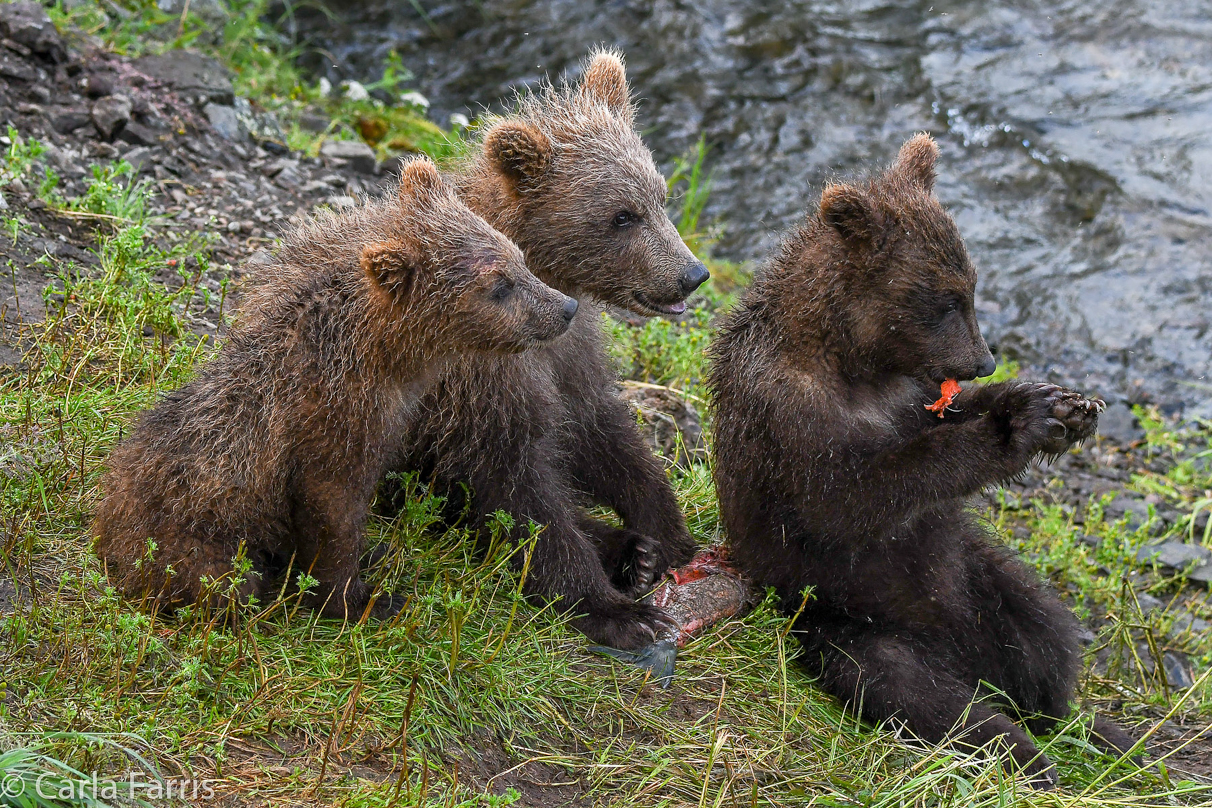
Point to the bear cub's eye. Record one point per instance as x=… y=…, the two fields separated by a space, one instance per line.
x=624 y=218
x=502 y=289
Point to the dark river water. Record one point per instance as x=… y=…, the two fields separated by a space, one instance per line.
x=1076 y=138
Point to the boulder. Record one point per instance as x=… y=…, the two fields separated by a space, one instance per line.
x=137 y=135
x=225 y=121
x=190 y=74
x=28 y=23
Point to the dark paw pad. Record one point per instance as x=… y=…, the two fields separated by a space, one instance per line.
x=639 y=571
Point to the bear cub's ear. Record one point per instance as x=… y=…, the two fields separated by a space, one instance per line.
x=605 y=81
x=917 y=160
x=392 y=267
x=420 y=181
x=521 y=152
x=850 y=212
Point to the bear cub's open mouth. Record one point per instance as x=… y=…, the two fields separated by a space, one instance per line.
x=660 y=308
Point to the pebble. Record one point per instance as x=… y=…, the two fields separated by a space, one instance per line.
x=1119 y=424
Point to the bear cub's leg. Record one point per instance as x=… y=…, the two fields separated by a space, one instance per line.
x=889 y=677
x=328 y=521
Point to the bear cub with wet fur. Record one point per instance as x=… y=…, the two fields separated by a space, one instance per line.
x=275 y=450
x=833 y=475
x=544 y=436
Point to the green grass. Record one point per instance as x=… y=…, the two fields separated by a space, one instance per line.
x=283 y=708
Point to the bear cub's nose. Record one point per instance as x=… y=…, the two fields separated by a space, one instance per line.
x=693 y=277
x=987 y=367
x=570 y=308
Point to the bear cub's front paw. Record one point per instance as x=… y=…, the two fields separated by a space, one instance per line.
x=1080 y=417
x=1026 y=414
x=625 y=624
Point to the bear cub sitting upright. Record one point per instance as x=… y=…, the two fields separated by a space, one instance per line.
x=280 y=442
x=833 y=475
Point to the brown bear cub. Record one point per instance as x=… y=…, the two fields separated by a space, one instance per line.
x=833 y=475
x=280 y=442
x=544 y=434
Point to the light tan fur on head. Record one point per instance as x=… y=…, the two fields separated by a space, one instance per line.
x=917 y=160
x=419 y=178
x=605 y=82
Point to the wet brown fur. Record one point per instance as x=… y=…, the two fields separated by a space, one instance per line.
x=279 y=443
x=543 y=434
x=833 y=476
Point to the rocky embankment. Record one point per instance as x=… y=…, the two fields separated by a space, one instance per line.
x=216 y=164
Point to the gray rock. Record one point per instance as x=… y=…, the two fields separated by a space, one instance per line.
x=3 y=201
x=190 y=74
x=67 y=122
x=1119 y=424
x=28 y=24
x=290 y=176
x=261 y=125
x=356 y=154
x=1189 y=622
x=314 y=121
x=1179 y=673
x=137 y=135
x=1179 y=556
x=277 y=166
x=1148 y=603
x=671 y=426
x=138 y=158
x=225 y=121
x=1136 y=511
x=16 y=69
x=110 y=115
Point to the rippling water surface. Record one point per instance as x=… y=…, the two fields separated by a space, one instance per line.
x=1076 y=138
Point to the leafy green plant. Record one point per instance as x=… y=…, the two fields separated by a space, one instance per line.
x=694 y=188
x=19 y=156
